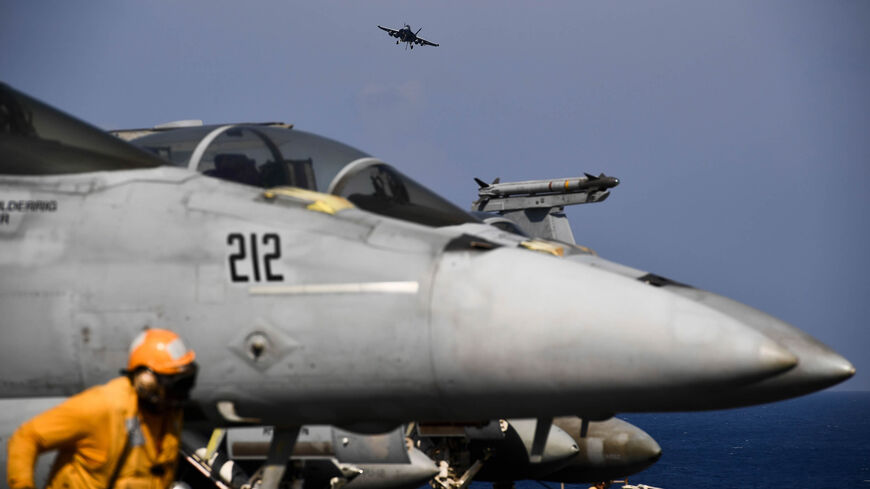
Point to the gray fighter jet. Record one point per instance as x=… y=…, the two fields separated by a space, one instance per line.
x=408 y=36
x=356 y=297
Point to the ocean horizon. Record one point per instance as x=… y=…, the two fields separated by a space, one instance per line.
x=820 y=441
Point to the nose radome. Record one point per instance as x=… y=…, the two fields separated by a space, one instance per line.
x=818 y=365
x=840 y=368
x=776 y=357
x=515 y=317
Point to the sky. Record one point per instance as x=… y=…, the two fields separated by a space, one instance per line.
x=740 y=130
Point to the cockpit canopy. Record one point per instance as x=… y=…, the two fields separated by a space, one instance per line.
x=273 y=155
x=36 y=139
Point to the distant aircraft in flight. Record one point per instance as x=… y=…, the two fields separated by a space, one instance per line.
x=405 y=34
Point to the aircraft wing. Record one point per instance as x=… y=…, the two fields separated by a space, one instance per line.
x=424 y=42
x=391 y=32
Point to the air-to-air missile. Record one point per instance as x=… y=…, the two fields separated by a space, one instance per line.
x=332 y=458
x=356 y=297
x=587 y=183
x=536 y=194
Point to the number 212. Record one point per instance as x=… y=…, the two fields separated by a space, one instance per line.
x=240 y=255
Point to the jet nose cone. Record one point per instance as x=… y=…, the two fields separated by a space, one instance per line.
x=720 y=342
x=834 y=368
x=818 y=365
x=776 y=357
x=602 y=341
x=848 y=370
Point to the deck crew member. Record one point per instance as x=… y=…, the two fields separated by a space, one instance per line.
x=123 y=434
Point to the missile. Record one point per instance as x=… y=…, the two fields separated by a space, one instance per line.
x=587 y=183
x=542 y=194
x=245 y=443
x=396 y=476
x=384 y=461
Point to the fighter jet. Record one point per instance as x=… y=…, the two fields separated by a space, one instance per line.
x=408 y=36
x=355 y=297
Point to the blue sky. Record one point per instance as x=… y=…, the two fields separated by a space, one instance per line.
x=740 y=130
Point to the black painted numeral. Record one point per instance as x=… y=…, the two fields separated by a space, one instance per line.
x=272 y=246
x=274 y=255
x=237 y=256
x=255 y=259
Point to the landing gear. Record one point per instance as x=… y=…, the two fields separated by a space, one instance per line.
x=452 y=456
x=448 y=479
x=283 y=439
x=212 y=463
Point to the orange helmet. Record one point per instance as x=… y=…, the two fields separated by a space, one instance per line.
x=160 y=350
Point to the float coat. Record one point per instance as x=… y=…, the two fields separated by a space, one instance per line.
x=90 y=432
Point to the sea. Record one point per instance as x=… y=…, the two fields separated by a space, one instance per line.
x=820 y=441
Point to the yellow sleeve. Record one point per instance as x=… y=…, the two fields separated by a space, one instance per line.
x=61 y=426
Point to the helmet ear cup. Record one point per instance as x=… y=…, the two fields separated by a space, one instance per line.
x=147 y=386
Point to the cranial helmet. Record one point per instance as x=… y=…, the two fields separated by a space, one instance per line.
x=161 y=351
